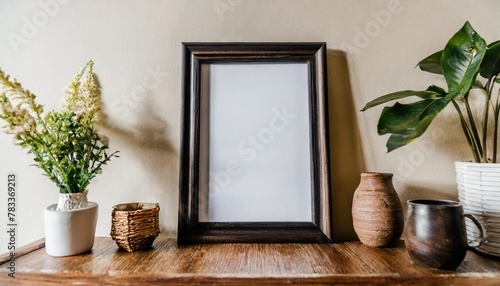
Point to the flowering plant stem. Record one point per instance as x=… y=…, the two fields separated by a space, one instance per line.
x=65 y=144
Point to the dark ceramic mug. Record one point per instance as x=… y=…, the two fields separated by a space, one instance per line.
x=435 y=234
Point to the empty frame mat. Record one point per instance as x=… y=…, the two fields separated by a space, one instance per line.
x=254 y=126
x=254 y=165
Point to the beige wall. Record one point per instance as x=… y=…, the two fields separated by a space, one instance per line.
x=373 y=45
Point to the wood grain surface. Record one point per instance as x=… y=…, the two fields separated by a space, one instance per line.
x=247 y=264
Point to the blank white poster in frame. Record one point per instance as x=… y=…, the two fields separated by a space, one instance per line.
x=254 y=161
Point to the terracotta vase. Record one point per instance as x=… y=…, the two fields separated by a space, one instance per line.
x=376 y=210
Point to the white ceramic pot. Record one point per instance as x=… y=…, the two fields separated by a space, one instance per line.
x=478 y=186
x=70 y=232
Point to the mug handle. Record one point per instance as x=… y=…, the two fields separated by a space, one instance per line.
x=481 y=239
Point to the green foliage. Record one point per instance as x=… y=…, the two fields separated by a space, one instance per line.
x=465 y=57
x=66 y=145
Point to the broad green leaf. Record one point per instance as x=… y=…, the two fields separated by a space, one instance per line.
x=432 y=63
x=395 y=141
x=407 y=122
x=461 y=59
x=406 y=136
x=399 y=117
x=427 y=94
x=437 y=89
x=491 y=61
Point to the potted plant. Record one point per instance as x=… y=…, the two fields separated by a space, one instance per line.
x=470 y=68
x=69 y=150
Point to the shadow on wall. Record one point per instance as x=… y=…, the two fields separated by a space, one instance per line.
x=149 y=141
x=346 y=155
x=413 y=192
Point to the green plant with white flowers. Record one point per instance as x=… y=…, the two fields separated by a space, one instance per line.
x=65 y=144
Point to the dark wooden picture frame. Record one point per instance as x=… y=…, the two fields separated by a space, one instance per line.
x=309 y=57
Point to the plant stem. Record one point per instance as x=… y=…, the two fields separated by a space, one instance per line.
x=475 y=135
x=495 y=136
x=485 y=119
x=467 y=132
x=496 y=110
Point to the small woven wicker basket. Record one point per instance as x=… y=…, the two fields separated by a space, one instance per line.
x=135 y=226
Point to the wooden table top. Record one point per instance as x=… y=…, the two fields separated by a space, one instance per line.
x=166 y=262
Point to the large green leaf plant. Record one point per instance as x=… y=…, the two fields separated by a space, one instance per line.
x=467 y=63
x=65 y=144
